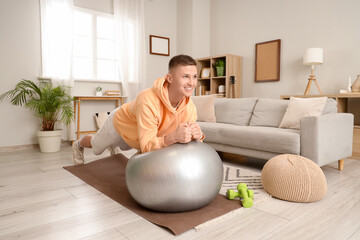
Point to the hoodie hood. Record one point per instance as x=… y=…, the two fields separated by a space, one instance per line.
x=160 y=87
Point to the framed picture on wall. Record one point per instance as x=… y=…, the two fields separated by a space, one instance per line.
x=159 y=45
x=267 y=61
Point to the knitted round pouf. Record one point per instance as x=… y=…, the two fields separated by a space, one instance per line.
x=293 y=178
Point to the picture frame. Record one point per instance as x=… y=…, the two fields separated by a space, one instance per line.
x=159 y=45
x=205 y=73
x=267 y=61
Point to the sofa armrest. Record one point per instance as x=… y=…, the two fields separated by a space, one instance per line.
x=327 y=138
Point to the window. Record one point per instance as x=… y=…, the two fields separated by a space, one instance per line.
x=94 y=56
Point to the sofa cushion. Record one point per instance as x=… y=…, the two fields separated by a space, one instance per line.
x=234 y=110
x=205 y=108
x=268 y=112
x=302 y=107
x=330 y=106
x=270 y=139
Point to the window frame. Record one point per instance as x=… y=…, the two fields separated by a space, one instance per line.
x=94 y=14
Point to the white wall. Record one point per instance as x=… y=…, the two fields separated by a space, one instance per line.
x=193 y=23
x=20 y=57
x=185 y=26
x=237 y=25
x=160 y=20
x=201 y=28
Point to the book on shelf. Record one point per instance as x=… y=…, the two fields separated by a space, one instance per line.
x=112 y=93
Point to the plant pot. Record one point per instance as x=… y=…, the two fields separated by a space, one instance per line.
x=220 y=71
x=98 y=94
x=49 y=141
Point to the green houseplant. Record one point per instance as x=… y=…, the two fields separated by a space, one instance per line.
x=220 y=67
x=98 y=91
x=50 y=103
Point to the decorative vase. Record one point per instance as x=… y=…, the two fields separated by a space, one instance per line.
x=222 y=89
x=349 y=85
x=356 y=84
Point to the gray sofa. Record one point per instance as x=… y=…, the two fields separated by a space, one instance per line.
x=250 y=127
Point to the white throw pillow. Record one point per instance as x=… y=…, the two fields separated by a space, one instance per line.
x=205 y=107
x=301 y=107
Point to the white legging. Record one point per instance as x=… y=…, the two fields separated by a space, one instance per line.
x=107 y=136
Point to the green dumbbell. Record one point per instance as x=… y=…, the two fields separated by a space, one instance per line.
x=246 y=195
x=231 y=194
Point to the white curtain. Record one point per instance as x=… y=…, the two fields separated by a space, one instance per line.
x=56 y=47
x=130 y=45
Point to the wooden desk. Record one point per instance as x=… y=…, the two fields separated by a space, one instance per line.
x=77 y=101
x=342 y=106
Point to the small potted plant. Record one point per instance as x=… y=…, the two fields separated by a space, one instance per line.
x=98 y=91
x=220 y=67
x=50 y=104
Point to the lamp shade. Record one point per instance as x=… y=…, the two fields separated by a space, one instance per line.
x=313 y=56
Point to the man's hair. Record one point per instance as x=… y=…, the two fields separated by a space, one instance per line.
x=182 y=60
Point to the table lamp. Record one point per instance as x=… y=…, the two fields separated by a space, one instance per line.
x=312 y=56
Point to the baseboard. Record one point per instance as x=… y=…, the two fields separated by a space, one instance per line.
x=8 y=149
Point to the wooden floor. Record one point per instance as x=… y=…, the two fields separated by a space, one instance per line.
x=41 y=200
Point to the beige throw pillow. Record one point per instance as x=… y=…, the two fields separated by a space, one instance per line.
x=205 y=108
x=301 y=107
x=234 y=110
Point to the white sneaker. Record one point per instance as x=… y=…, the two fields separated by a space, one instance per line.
x=78 y=153
x=113 y=150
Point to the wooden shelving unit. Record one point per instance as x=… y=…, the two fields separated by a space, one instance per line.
x=210 y=85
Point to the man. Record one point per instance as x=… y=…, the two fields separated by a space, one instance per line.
x=158 y=117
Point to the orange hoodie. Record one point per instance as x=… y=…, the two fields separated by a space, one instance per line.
x=144 y=122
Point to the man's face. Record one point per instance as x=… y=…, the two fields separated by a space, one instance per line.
x=183 y=80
